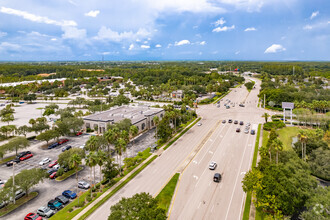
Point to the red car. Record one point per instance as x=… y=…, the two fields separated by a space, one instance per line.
x=26 y=157
x=32 y=216
x=53 y=175
x=62 y=141
x=52 y=164
x=79 y=133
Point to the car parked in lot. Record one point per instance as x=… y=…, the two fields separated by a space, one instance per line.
x=56 y=167
x=19 y=194
x=79 y=133
x=22 y=154
x=223 y=121
x=238 y=130
x=235 y=122
x=241 y=105
x=53 y=175
x=241 y=123
x=52 y=164
x=32 y=216
x=199 y=124
x=213 y=165
x=53 y=145
x=27 y=156
x=83 y=185
x=51 y=171
x=45 y=211
x=45 y=161
x=246 y=131
x=11 y=162
x=62 y=141
x=54 y=204
x=68 y=147
x=230 y=121
x=62 y=199
x=69 y=194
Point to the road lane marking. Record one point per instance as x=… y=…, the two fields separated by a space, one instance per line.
x=210 y=152
x=199 y=205
x=212 y=208
x=195 y=162
x=243 y=173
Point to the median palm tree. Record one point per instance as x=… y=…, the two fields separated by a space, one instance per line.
x=89 y=162
x=92 y=144
x=74 y=162
x=303 y=140
x=111 y=137
x=101 y=158
x=124 y=135
x=266 y=116
x=278 y=146
x=156 y=121
x=120 y=145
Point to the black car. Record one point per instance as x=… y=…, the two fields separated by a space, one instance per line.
x=53 y=145
x=22 y=154
x=62 y=199
x=253 y=132
x=230 y=121
x=241 y=105
x=235 y=122
x=10 y=163
x=238 y=130
x=66 y=148
x=51 y=171
x=241 y=123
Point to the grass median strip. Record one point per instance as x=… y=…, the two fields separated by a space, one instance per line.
x=165 y=196
x=90 y=211
x=182 y=133
x=68 y=174
x=248 y=199
x=11 y=207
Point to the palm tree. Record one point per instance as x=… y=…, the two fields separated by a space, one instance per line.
x=111 y=137
x=89 y=162
x=266 y=116
x=94 y=160
x=101 y=158
x=120 y=145
x=74 y=162
x=156 y=121
x=133 y=131
x=303 y=140
x=92 y=144
x=278 y=146
x=124 y=135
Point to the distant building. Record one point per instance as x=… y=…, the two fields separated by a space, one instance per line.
x=177 y=94
x=140 y=116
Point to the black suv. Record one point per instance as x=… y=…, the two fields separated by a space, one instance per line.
x=230 y=121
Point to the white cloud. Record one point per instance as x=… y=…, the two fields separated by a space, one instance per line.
x=73 y=33
x=108 y=34
x=106 y=53
x=3 y=34
x=237 y=52
x=314 y=14
x=250 y=29
x=220 y=22
x=158 y=46
x=249 y=5
x=308 y=27
x=131 y=47
x=36 y=18
x=9 y=46
x=92 y=13
x=202 y=43
x=53 y=39
x=224 y=28
x=145 y=46
x=275 y=48
x=182 y=42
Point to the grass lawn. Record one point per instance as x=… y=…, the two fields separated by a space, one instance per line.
x=286 y=134
x=5 y=160
x=68 y=174
x=165 y=196
x=11 y=207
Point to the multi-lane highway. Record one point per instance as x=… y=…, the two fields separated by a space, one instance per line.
x=197 y=196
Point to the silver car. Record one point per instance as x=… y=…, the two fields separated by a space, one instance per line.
x=83 y=184
x=212 y=165
x=45 y=211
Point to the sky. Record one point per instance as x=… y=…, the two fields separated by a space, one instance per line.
x=137 y=30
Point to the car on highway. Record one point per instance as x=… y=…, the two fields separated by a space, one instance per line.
x=246 y=131
x=235 y=122
x=26 y=157
x=248 y=124
x=79 y=133
x=54 y=204
x=53 y=175
x=52 y=164
x=241 y=105
x=83 y=185
x=223 y=121
x=53 y=145
x=238 y=130
x=227 y=106
x=217 y=177
x=230 y=120
x=45 y=211
x=199 y=124
x=32 y=216
x=69 y=194
x=62 y=199
x=68 y=147
x=62 y=141
x=253 y=132
x=45 y=161
x=241 y=123
x=212 y=165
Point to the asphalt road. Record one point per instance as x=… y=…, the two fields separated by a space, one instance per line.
x=198 y=197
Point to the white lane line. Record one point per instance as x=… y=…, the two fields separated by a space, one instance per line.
x=210 y=183
x=196 y=177
x=210 y=152
x=212 y=208
x=194 y=161
x=199 y=205
x=240 y=167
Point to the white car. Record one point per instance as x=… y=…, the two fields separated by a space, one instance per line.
x=45 y=161
x=83 y=184
x=56 y=167
x=212 y=165
x=199 y=124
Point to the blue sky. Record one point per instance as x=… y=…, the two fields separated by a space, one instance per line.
x=38 y=30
